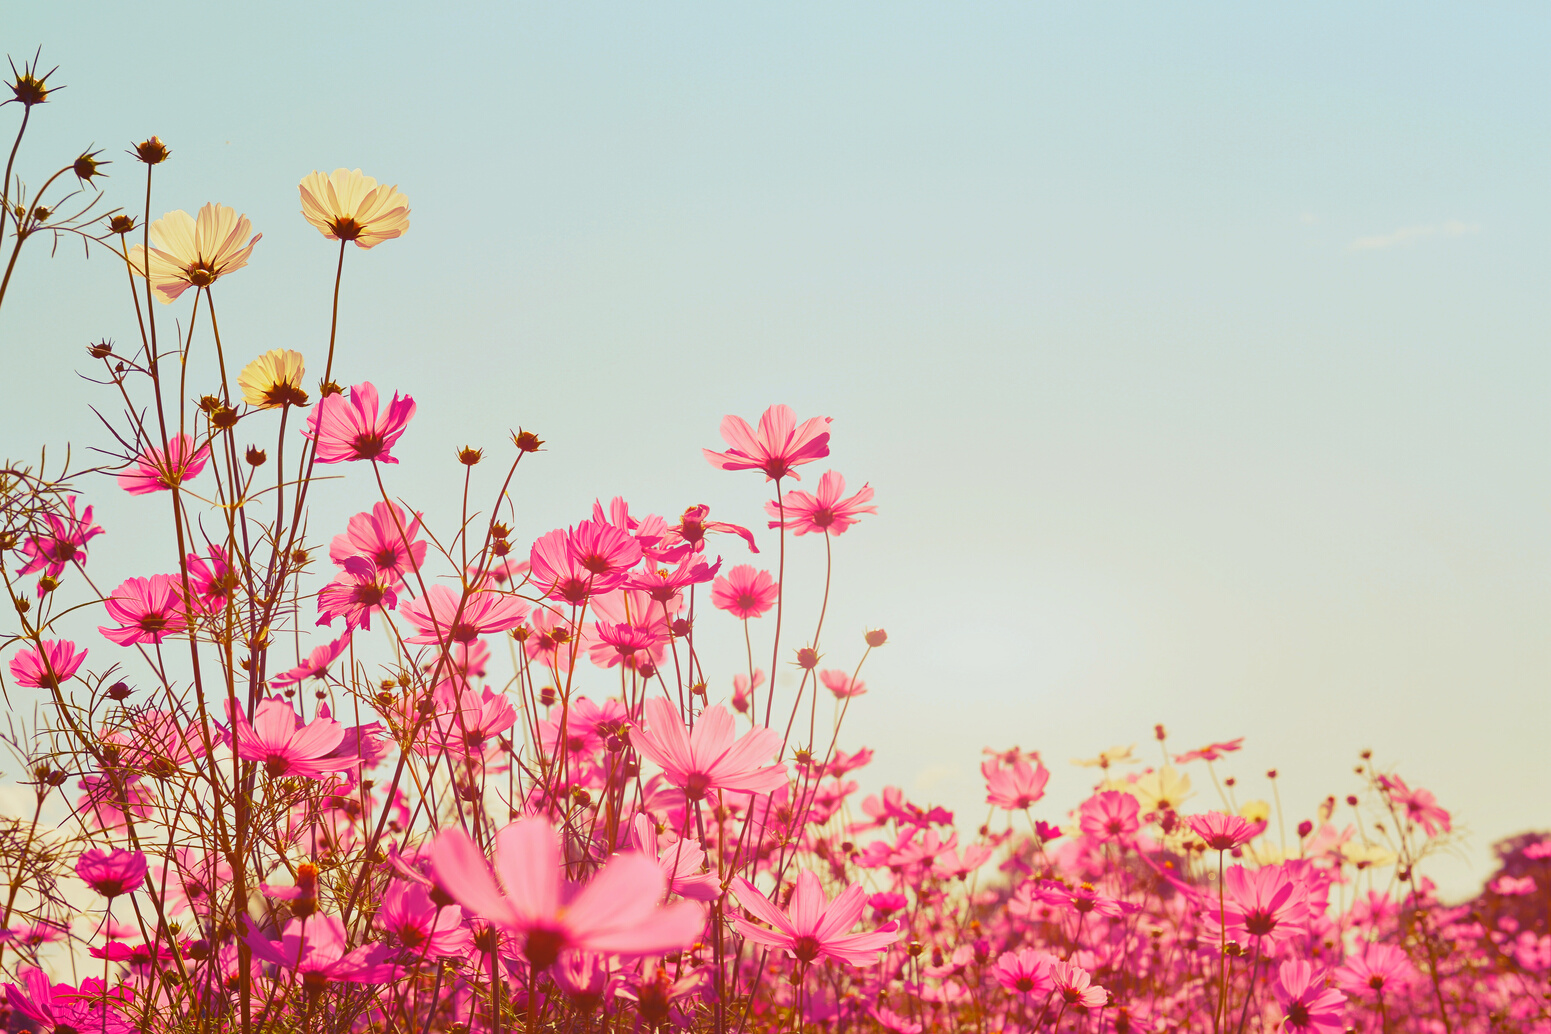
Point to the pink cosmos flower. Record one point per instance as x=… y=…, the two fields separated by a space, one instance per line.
x=63 y=543
x=107 y=799
x=1015 y=788
x=380 y=535
x=1420 y=805
x=410 y=917
x=841 y=684
x=680 y=860
x=111 y=873
x=813 y=927
x=277 y=737
x=824 y=514
x=354 y=593
x=743 y=688
x=147 y=610
x=692 y=528
x=316 y=666
x=156 y=470
x=1210 y=752
x=776 y=448
x=443 y=616
x=1265 y=903
x=60 y=1007
x=1306 y=1003
x=1380 y=968
x=353 y=430
x=1074 y=986
x=46 y=670
x=1110 y=815
x=1025 y=972
x=709 y=757
x=1512 y=886
x=590 y=559
x=616 y=911
x=466 y=720
x=317 y=949
x=1224 y=832
x=744 y=592
x=664 y=585
x=212 y=579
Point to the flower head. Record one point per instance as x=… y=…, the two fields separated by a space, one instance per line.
x=352 y=429
x=190 y=253
x=47 y=669
x=347 y=206
x=823 y=514
x=744 y=592
x=277 y=737
x=147 y=610
x=813 y=927
x=63 y=543
x=709 y=757
x=158 y=470
x=1306 y=1003
x=778 y=446
x=111 y=873
x=1110 y=815
x=1015 y=788
x=274 y=379
x=1224 y=832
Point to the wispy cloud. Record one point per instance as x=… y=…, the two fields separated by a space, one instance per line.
x=1414 y=234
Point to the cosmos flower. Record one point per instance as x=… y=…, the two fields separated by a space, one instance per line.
x=111 y=873
x=1110 y=815
x=147 y=610
x=352 y=429
x=814 y=927
x=709 y=757
x=744 y=592
x=1307 y=1004
x=347 y=206
x=157 y=470
x=274 y=380
x=189 y=253
x=778 y=446
x=824 y=514
x=1015 y=788
x=57 y=662
x=64 y=542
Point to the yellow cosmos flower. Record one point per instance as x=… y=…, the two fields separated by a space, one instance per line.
x=193 y=253
x=1364 y=856
x=1255 y=811
x=347 y=206
x=1106 y=758
x=274 y=379
x=1161 y=790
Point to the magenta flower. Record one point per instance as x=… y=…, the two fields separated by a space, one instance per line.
x=1421 y=807
x=823 y=514
x=1224 y=832
x=1380 y=968
x=1015 y=788
x=1306 y=1003
x=277 y=737
x=681 y=862
x=709 y=757
x=46 y=670
x=61 y=1008
x=1074 y=986
x=147 y=610
x=317 y=949
x=664 y=586
x=63 y=543
x=211 y=579
x=616 y=911
x=380 y=535
x=1110 y=815
x=351 y=429
x=316 y=666
x=744 y=592
x=156 y=470
x=813 y=927
x=841 y=684
x=692 y=528
x=1026 y=972
x=588 y=560
x=111 y=873
x=443 y=616
x=467 y=720
x=1265 y=903
x=1210 y=752
x=776 y=448
x=410 y=917
x=354 y=593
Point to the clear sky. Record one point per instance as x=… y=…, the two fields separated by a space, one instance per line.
x=1196 y=353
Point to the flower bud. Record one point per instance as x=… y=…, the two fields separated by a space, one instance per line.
x=121 y=224
x=526 y=441
x=101 y=350
x=256 y=456
x=877 y=637
x=87 y=166
x=468 y=455
x=1305 y=828
x=152 y=151
x=807 y=658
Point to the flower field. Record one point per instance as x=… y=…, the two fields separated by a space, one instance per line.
x=390 y=776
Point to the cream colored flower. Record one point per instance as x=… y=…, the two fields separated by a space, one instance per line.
x=347 y=206
x=1255 y=811
x=274 y=379
x=188 y=253
x=1364 y=856
x=1163 y=790
x=1112 y=756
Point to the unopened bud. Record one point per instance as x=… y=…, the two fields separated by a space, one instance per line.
x=101 y=350
x=468 y=455
x=877 y=637
x=256 y=456
x=152 y=151
x=526 y=441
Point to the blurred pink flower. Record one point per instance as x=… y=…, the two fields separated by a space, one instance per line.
x=1074 y=986
x=317 y=949
x=1380 y=968
x=1025 y=972
x=57 y=662
x=1014 y=788
x=155 y=470
x=1223 y=832
x=778 y=446
x=1420 y=805
x=826 y=513
x=1210 y=752
x=841 y=684
x=813 y=927
x=352 y=429
x=1110 y=815
x=147 y=610
x=410 y=917
x=1263 y=904
x=616 y=911
x=111 y=873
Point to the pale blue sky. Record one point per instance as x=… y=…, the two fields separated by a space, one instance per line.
x=1196 y=353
